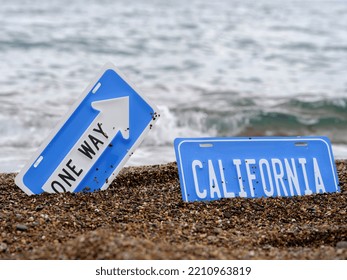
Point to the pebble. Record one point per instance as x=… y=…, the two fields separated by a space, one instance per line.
x=39 y=207
x=211 y=238
x=341 y=244
x=3 y=247
x=21 y=227
x=227 y=214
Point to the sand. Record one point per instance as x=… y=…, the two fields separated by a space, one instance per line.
x=142 y=216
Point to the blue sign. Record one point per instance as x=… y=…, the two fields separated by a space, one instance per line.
x=214 y=168
x=93 y=141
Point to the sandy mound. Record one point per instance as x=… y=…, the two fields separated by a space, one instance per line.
x=142 y=216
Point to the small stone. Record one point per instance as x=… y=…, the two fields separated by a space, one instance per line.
x=341 y=244
x=39 y=207
x=227 y=214
x=3 y=247
x=211 y=238
x=217 y=230
x=45 y=216
x=21 y=227
x=339 y=251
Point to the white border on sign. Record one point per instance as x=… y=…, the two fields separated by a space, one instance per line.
x=244 y=140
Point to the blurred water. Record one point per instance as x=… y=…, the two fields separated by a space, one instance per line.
x=214 y=68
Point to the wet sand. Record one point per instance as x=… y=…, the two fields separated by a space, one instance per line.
x=142 y=216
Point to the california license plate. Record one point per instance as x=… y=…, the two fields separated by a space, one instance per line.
x=214 y=168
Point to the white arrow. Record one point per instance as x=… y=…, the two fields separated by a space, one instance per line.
x=113 y=117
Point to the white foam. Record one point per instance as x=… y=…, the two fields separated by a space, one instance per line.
x=339 y=151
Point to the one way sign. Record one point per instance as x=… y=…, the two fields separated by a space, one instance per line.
x=93 y=141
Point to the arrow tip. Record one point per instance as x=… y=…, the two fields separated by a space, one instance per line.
x=116 y=113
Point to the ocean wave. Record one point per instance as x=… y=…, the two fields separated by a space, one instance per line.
x=289 y=117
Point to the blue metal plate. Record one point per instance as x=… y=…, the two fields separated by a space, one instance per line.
x=93 y=140
x=214 y=168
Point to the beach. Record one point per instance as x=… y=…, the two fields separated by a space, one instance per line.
x=142 y=216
